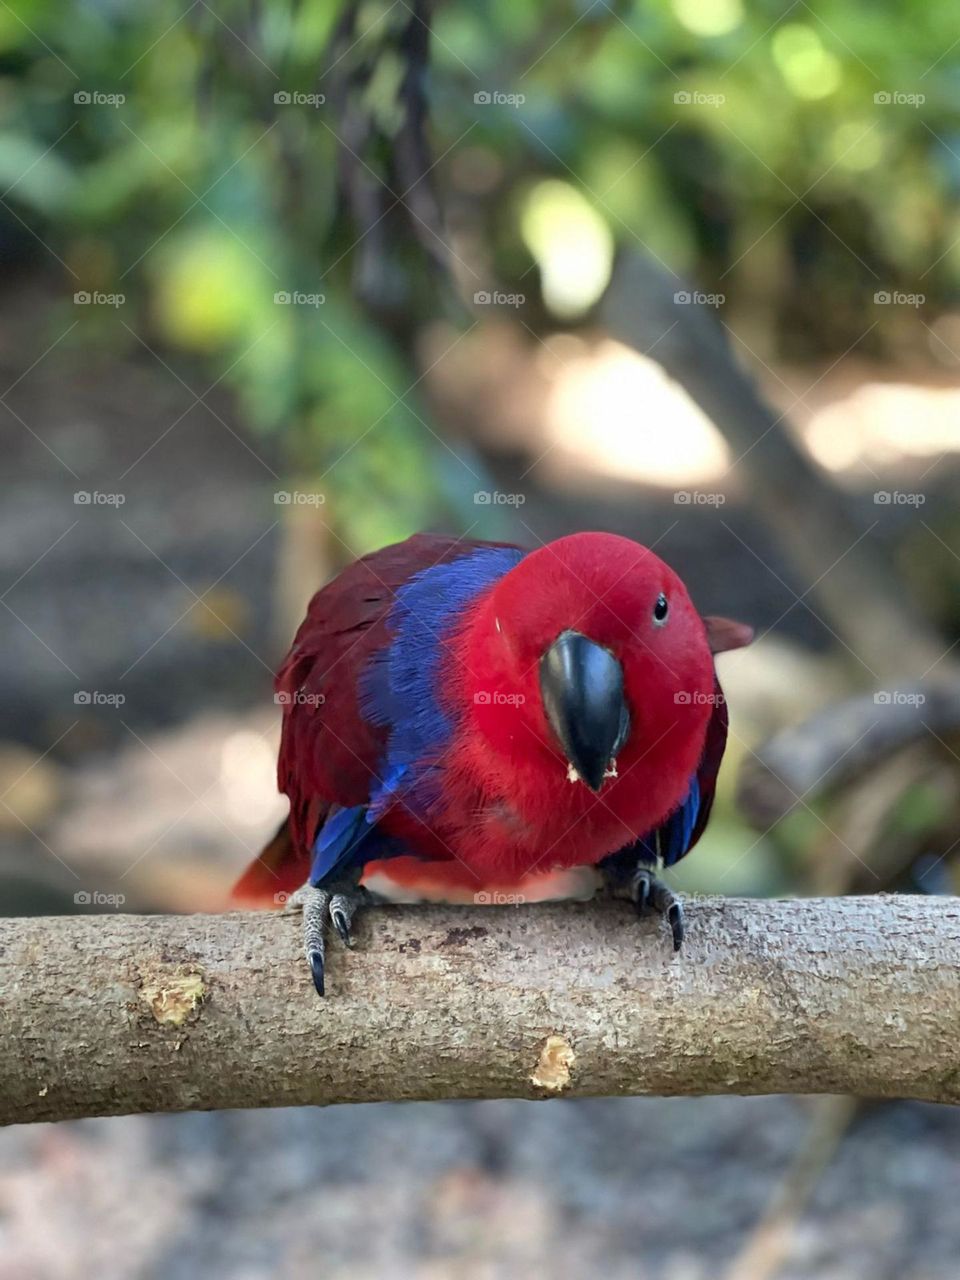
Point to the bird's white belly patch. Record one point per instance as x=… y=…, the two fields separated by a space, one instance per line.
x=407 y=880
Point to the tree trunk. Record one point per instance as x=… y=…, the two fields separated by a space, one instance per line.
x=852 y=581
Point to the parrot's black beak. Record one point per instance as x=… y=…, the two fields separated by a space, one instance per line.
x=581 y=684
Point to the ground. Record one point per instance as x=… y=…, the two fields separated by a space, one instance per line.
x=665 y=1189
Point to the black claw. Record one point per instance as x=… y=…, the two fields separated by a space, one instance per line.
x=642 y=899
x=316 y=968
x=650 y=895
x=342 y=926
x=675 y=916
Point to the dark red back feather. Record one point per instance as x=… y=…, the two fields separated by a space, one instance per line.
x=328 y=752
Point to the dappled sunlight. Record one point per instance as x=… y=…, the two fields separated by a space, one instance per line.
x=617 y=412
x=572 y=244
x=882 y=424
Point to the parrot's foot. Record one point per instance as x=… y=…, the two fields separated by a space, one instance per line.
x=650 y=894
x=319 y=906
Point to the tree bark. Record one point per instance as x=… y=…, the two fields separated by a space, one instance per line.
x=102 y=1015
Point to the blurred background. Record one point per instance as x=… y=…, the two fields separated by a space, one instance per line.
x=285 y=280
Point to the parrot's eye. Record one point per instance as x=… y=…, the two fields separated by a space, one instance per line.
x=660 y=610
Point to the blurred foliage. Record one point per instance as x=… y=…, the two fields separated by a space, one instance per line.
x=745 y=146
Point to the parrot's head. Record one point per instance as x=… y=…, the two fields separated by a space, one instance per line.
x=593 y=644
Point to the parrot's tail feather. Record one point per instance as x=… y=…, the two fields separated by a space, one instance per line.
x=278 y=872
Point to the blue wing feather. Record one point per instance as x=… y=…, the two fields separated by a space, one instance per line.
x=401 y=686
x=336 y=840
x=400 y=690
x=676 y=833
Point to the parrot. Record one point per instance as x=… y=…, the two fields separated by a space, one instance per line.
x=474 y=722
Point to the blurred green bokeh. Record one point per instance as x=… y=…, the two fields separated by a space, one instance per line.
x=177 y=154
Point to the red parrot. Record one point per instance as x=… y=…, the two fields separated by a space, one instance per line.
x=470 y=721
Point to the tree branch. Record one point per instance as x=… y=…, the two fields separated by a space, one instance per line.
x=114 y=1014
x=842 y=742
